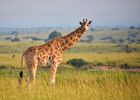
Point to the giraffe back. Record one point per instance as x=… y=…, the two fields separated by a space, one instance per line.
x=41 y=53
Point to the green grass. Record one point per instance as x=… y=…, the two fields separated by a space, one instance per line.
x=117 y=59
x=74 y=85
x=95 y=53
x=71 y=84
x=131 y=59
x=16 y=47
x=20 y=47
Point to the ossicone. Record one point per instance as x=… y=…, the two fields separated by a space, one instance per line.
x=80 y=23
x=90 y=22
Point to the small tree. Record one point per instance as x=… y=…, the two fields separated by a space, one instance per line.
x=14 y=33
x=36 y=39
x=90 y=38
x=121 y=40
x=127 y=49
x=125 y=66
x=108 y=38
x=92 y=29
x=54 y=34
x=132 y=27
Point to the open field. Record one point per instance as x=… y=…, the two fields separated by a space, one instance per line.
x=112 y=59
x=95 y=53
x=73 y=85
x=87 y=83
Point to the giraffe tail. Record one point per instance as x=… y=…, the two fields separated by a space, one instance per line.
x=20 y=79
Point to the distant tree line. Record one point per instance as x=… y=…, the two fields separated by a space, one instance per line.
x=12 y=39
x=89 y=39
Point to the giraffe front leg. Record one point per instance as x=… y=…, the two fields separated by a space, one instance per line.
x=53 y=74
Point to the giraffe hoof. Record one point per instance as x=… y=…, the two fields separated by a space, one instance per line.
x=52 y=82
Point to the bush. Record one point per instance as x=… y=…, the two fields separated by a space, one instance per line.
x=36 y=39
x=8 y=38
x=100 y=64
x=90 y=38
x=125 y=66
x=77 y=63
x=108 y=38
x=15 y=40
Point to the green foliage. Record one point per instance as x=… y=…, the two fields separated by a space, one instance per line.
x=14 y=33
x=98 y=54
x=89 y=38
x=54 y=34
x=15 y=39
x=71 y=84
x=125 y=66
x=127 y=49
x=109 y=38
x=132 y=27
x=8 y=38
x=121 y=40
x=99 y=64
x=76 y=63
x=33 y=38
x=91 y=29
x=36 y=39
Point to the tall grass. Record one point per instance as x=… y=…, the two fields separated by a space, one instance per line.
x=74 y=85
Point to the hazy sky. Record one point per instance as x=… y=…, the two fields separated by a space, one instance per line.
x=44 y=13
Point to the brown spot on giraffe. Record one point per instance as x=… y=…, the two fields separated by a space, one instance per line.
x=78 y=35
x=51 y=52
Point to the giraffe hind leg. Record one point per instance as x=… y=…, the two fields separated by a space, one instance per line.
x=31 y=73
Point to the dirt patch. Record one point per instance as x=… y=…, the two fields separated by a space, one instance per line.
x=108 y=68
x=132 y=69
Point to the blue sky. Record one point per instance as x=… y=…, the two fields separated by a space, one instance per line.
x=44 y=13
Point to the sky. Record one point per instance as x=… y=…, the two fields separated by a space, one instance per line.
x=46 y=13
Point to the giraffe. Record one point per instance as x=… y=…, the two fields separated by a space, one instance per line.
x=51 y=52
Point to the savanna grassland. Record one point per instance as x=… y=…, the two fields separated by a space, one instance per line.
x=73 y=85
x=86 y=83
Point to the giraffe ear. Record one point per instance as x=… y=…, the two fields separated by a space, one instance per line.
x=80 y=23
x=90 y=22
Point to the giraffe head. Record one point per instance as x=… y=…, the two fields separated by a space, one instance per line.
x=85 y=24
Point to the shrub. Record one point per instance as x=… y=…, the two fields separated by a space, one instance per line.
x=108 y=38
x=36 y=39
x=8 y=38
x=90 y=38
x=15 y=40
x=100 y=64
x=125 y=66
x=77 y=63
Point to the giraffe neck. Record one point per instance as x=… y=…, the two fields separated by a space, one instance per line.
x=67 y=41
